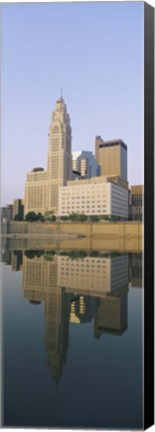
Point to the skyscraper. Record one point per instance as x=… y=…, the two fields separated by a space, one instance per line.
x=85 y=163
x=59 y=152
x=111 y=156
x=41 y=190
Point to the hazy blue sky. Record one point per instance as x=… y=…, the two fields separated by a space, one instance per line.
x=95 y=52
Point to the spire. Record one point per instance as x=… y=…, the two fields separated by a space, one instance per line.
x=61 y=93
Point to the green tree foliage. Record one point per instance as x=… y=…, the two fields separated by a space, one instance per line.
x=41 y=218
x=82 y=217
x=17 y=218
x=95 y=218
x=31 y=217
x=64 y=218
x=33 y=253
x=50 y=216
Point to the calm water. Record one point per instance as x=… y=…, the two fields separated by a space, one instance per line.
x=72 y=339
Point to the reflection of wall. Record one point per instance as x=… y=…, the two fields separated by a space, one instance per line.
x=93 y=276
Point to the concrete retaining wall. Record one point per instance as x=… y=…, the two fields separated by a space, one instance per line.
x=89 y=229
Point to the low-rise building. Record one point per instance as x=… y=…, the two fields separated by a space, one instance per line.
x=95 y=196
x=7 y=213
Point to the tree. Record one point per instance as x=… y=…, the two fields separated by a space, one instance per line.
x=17 y=217
x=33 y=253
x=31 y=217
x=73 y=216
x=50 y=216
x=64 y=218
x=94 y=218
x=40 y=217
x=106 y=217
x=82 y=217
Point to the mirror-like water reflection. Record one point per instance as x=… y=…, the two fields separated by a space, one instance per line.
x=72 y=326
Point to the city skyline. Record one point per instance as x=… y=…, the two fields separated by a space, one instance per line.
x=111 y=108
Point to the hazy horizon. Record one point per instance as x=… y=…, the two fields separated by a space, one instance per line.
x=95 y=52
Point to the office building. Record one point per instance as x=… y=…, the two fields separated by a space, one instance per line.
x=95 y=196
x=41 y=190
x=111 y=157
x=136 y=206
x=18 y=209
x=76 y=175
x=85 y=163
x=98 y=142
x=7 y=213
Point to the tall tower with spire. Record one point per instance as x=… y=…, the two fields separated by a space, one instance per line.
x=42 y=187
x=59 y=152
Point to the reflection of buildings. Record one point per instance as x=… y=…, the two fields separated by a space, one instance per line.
x=75 y=290
x=103 y=277
x=94 y=276
x=112 y=313
x=17 y=259
x=135 y=269
x=40 y=283
x=6 y=256
x=83 y=309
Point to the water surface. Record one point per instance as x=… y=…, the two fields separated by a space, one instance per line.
x=72 y=339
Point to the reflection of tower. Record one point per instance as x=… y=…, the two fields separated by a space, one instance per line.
x=57 y=307
x=40 y=283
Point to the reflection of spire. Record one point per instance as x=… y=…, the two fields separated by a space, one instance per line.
x=40 y=283
x=95 y=286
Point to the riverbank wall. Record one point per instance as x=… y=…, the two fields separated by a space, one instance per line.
x=88 y=229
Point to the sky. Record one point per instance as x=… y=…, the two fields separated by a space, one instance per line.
x=94 y=52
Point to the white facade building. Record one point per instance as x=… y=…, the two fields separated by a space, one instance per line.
x=85 y=163
x=95 y=196
x=95 y=276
